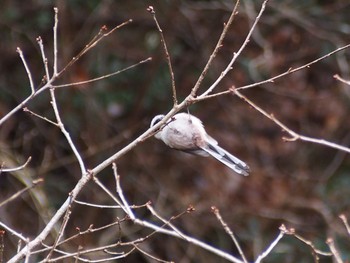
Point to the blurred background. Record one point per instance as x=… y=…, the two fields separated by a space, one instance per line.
x=301 y=185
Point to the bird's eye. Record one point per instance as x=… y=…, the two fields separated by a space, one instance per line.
x=156 y=119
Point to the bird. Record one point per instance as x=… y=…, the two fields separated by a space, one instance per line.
x=186 y=132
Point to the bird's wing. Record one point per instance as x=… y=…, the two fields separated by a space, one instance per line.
x=226 y=158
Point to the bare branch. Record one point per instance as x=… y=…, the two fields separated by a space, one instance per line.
x=120 y=193
x=25 y=109
x=25 y=251
x=167 y=228
x=115 y=199
x=55 y=50
x=96 y=39
x=236 y=54
x=48 y=85
x=337 y=77
x=13 y=232
x=334 y=250
x=60 y=232
x=272 y=79
x=229 y=232
x=216 y=50
x=151 y=256
x=291 y=70
x=345 y=221
x=42 y=50
x=166 y=222
x=104 y=76
x=20 y=52
x=167 y=55
x=294 y=136
x=272 y=245
x=65 y=133
x=20 y=192
x=315 y=251
x=190 y=240
x=8 y=170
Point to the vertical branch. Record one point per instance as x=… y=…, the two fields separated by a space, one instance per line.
x=168 y=59
x=55 y=70
x=41 y=45
x=27 y=70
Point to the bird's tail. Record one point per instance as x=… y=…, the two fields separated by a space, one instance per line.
x=228 y=159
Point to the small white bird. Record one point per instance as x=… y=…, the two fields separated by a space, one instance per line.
x=185 y=132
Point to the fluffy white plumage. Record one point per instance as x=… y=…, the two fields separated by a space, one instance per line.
x=185 y=132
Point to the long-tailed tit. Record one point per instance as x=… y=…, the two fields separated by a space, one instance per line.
x=185 y=132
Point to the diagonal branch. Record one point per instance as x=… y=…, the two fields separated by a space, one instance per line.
x=216 y=50
x=236 y=54
x=294 y=136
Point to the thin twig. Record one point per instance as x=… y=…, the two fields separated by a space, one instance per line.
x=337 y=77
x=13 y=232
x=25 y=109
x=216 y=50
x=272 y=245
x=334 y=250
x=229 y=232
x=20 y=52
x=151 y=10
x=60 y=232
x=272 y=79
x=345 y=221
x=166 y=222
x=151 y=256
x=95 y=40
x=236 y=54
x=89 y=230
x=107 y=206
x=115 y=199
x=190 y=240
x=294 y=136
x=97 y=205
x=291 y=70
x=315 y=251
x=120 y=192
x=77 y=255
x=66 y=133
x=42 y=50
x=8 y=170
x=55 y=50
x=104 y=76
x=20 y=192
